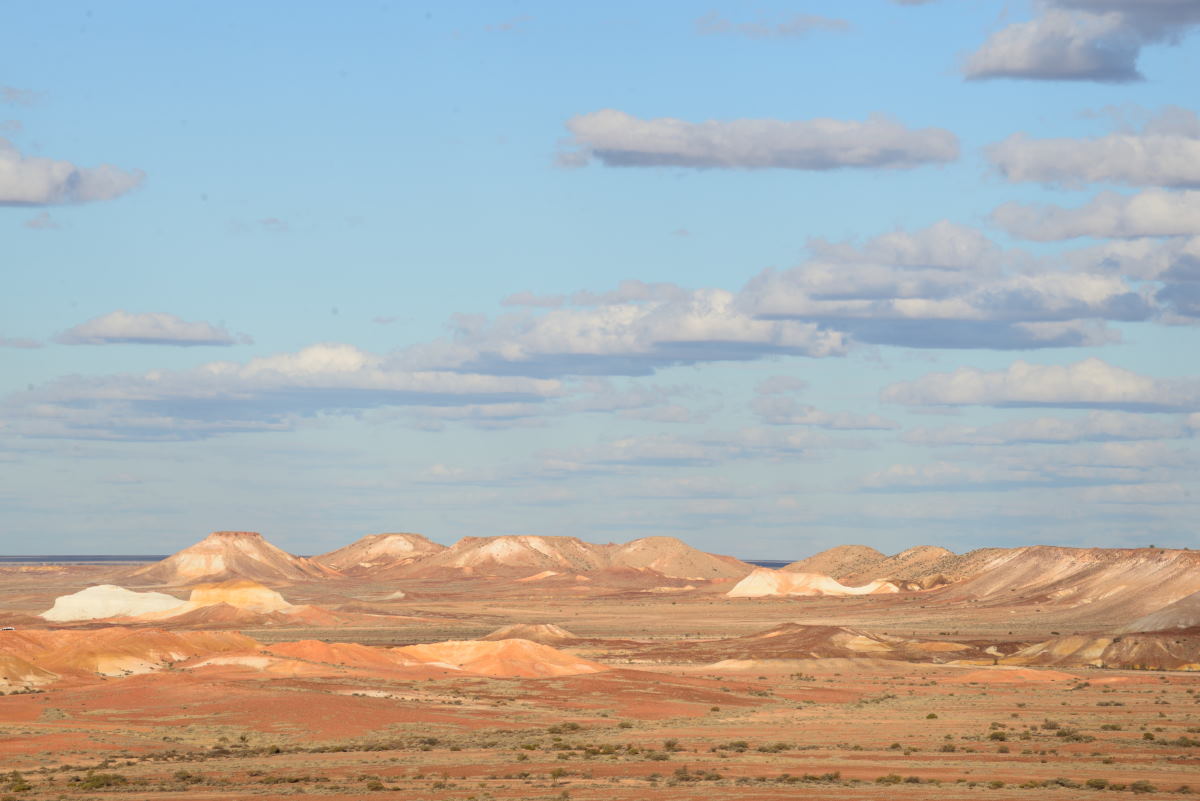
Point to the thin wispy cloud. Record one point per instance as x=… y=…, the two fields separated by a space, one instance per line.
x=714 y=24
x=148 y=328
x=617 y=139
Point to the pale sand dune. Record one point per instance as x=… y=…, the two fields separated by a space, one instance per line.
x=108 y=600
x=764 y=582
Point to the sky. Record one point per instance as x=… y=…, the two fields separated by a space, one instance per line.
x=768 y=278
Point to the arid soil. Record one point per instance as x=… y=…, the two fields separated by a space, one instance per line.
x=629 y=685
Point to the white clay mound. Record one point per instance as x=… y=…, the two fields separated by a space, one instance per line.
x=764 y=582
x=108 y=600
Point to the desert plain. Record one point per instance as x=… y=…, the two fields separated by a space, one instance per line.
x=551 y=668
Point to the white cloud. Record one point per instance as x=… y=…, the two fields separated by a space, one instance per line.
x=1095 y=426
x=1083 y=40
x=618 y=139
x=1153 y=212
x=623 y=338
x=1145 y=259
x=33 y=181
x=1089 y=383
x=263 y=394
x=1166 y=153
x=798 y=25
x=945 y=286
x=121 y=327
x=1107 y=464
x=669 y=450
x=948 y=476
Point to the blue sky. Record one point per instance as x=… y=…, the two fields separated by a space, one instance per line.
x=768 y=278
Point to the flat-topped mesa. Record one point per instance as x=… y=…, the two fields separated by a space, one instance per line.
x=225 y=555
x=376 y=552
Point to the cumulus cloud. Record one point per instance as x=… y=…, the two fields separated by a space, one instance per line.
x=124 y=328
x=623 y=338
x=798 y=25
x=1166 y=153
x=1174 y=263
x=1153 y=212
x=618 y=139
x=1090 y=383
x=263 y=394
x=34 y=181
x=945 y=286
x=1095 y=426
x=1083 y=40
x=1174 y=258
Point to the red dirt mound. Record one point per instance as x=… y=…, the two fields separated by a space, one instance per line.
x=115 y=651
x=506 y=658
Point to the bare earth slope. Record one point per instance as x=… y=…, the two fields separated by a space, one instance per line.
x=544 y=633
x=226 y=555
x=1116 y=585
x=1145 y=651
x=513 y=555
x=1182 y=614
x=798 y=641
x=767 y=583
x=839 y=561
x=378 y=551
x=909 y=565
x=676 y=559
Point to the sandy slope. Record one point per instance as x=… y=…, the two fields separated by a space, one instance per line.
x=1181 y=614
x=764 y=582
x=504 y=658
x=544 y=633
x=1110 y=584
x=676 y=559
x=228 y=555
x=1148 y=651
x=376 y=552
